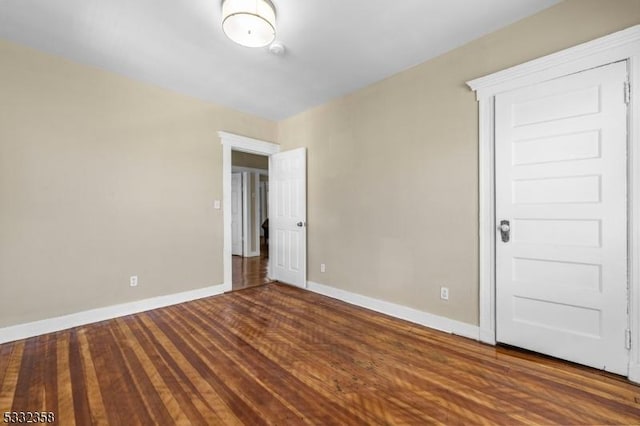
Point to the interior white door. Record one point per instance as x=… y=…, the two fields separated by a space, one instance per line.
x=561 y=179
x=264 y=191
x=288 y=216
x=236 y=214
x=250 y=215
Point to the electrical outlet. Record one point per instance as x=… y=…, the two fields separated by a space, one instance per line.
x=323 y=267
x=444 y=293
x=133 y=280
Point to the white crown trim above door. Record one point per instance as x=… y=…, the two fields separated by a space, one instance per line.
x=619 y=46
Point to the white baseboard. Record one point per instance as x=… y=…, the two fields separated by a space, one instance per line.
x=399 y=311
x=36 y=328
x=634 y=372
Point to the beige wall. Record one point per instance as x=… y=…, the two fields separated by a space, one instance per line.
x=392 y=174
x=101 y=178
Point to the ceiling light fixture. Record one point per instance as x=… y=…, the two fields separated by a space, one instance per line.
x=250 y=23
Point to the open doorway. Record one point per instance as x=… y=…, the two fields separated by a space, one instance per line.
x=232 y=142
x=249 y=219
x=287 y=214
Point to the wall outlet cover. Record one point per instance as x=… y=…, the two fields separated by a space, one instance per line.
x=444 y=293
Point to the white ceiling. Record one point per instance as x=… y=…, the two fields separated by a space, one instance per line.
x=333 y=46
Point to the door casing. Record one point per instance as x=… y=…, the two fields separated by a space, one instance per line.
x=622 y=45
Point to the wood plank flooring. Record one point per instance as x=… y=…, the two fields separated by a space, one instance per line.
x=279 y=355
x=250 y=271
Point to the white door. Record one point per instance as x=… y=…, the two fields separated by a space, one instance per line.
x=264 y=192
x=250 y=215
x=561 y=278
x=236 y=214
x=288 y=216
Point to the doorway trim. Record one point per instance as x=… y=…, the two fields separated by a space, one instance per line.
x=232 y=142
x=619 y=46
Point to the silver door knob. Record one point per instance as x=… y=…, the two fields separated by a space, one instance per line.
x=505 y=231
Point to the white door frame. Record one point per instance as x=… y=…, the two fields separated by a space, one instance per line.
x=622 y=45
x=232 y=142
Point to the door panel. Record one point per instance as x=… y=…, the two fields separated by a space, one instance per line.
x=287 y=218
x=250 y=215
x=561 y=278
x=236 y=214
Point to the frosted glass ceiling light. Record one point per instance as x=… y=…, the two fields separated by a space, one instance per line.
x=251 y=23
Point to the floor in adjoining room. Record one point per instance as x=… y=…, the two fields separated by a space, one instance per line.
x=250 y=271
x=276 y=354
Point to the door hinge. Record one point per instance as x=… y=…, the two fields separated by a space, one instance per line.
x=627 y=92
x=627 y=339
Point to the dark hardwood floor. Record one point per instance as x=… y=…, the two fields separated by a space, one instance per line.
x=279 y=355
x=250 y=271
